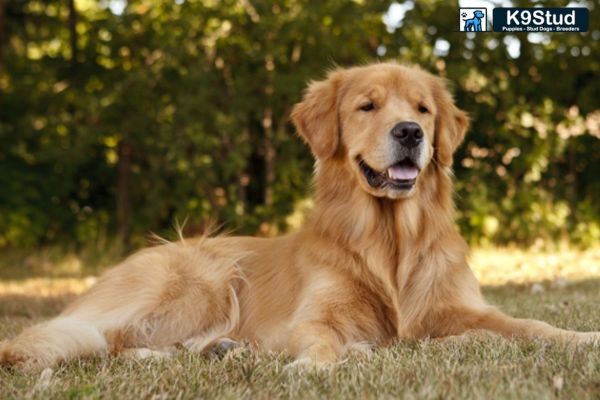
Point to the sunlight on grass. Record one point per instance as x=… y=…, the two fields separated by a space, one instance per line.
x=499 y=266
x=44 y=287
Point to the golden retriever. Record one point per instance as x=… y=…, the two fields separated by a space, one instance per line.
x=378 y=259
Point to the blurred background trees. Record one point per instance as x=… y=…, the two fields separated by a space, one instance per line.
x=119 y=117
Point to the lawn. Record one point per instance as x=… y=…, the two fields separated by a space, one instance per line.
x=560 y=287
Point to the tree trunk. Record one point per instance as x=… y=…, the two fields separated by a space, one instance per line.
x=243 y=181
x=2 y=38
x=73 y=32
x=269 y=155
x=267 y=124
x=573 y=194
x=123 y=194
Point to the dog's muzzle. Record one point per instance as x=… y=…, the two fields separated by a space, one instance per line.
x=407 y=140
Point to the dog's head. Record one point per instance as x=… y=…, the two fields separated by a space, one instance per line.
x=388 y=123
x=478 y=14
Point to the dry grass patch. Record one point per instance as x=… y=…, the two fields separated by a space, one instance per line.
x=483 y=368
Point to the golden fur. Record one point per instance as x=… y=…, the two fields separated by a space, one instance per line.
x=370 y=264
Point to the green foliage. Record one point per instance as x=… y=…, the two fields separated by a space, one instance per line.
x=119 y=124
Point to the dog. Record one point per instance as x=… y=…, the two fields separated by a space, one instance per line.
x=379 y=259
x=474 y=24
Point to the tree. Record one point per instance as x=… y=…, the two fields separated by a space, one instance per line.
x=117 y=124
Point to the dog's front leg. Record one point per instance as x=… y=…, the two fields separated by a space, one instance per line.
x=491 y=320
x=314 y=344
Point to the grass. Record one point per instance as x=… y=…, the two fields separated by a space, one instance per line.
x=560 y=287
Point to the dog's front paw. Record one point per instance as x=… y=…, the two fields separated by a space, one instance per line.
x=301 y=365
x=362 y=348
x=592 y=338
x=308 y=364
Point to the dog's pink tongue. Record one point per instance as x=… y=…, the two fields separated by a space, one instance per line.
x=403 y=172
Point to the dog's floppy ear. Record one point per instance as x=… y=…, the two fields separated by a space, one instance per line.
x=316 y=116
x=450 y=126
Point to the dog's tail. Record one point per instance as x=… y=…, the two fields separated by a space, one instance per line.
x=45 y=344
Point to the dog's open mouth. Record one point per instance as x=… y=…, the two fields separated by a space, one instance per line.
x=401 y=175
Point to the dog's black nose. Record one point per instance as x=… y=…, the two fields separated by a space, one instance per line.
x=409 y=134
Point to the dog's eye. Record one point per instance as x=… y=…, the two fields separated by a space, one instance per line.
x=368 y=107
x=423 y=109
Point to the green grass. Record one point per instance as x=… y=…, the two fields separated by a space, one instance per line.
x=484 y=368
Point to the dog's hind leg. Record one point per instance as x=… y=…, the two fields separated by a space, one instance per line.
x=157 y=298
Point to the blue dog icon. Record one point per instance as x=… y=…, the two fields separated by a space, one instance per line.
x=474 y=24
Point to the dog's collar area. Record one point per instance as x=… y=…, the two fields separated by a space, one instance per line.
x=401 y=175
